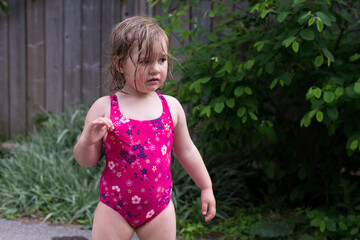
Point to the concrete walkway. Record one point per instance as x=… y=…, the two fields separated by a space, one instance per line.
x=17 y=230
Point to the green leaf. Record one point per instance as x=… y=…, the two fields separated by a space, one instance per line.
x=322 y=226
x=212 y=37
x=196 y=86
x=255 y=8
x=286 y=77
x=301 y=20
x=354 y=144
x=253 y=116
x=265 y=12
x=311 y=21
x=329 y=97
x=244 y=119
x=354 y=231
x=328 y=54
x=354 y=57
x=317 y=92
x=228 y=66
x=339 y=91
x=324 y=18
x=307 y=34
x=330 y=225
x=248 y=90
x=319 y=25
x=351 y=92
x=259 y=45
x=219 y=107
x=249 y=64
x=343 y=226
x=346 y=15
x=318 y=61
x=282 y=16
x=204 y=79
x=230 y=102
x=273 y=83
x=239 y=90
x=206 y=110
x=288 y=41
x=315 y=222
x=295 y=46
x=241 y=111
x=357 y=87
x=319 y=116
x=211 y=14
x=332 y=113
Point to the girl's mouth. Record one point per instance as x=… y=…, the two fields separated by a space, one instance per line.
x=153 y=80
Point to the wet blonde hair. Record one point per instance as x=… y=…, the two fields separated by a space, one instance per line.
x=141 y=32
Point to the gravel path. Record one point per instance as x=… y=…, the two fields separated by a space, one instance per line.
x=19 y=230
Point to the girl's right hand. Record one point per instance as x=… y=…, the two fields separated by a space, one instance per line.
x=97 y=129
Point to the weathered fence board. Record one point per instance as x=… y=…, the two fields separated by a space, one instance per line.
x=35 y=58
x=17 y=68
x=54 y=54
x=111 y=14
x=91 y=51
x=4 y=76
x=72 y=50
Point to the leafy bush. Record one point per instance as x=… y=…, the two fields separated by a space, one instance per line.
x=276 y=85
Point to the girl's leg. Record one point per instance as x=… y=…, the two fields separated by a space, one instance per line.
x=162 y=227
x=110 y=225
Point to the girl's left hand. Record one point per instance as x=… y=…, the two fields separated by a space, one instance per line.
x=208 y=204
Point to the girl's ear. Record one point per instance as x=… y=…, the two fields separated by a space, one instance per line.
x=117 y=64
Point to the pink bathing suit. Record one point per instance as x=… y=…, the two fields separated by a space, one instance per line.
x=136 y=181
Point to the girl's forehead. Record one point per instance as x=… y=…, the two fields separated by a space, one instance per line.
x=156 y=47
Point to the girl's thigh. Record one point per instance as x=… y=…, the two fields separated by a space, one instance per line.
x=110 y=225
x=162 y=227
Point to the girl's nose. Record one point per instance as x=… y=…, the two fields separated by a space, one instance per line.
x=155 y=67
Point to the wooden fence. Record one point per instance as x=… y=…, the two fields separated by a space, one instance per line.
x=53 y=54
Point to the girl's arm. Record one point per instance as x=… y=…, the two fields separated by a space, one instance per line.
x=87 y=150
x=190 y=158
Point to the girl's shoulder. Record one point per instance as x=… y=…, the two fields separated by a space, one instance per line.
x=172 y=102
x=175 y=107
x=101 y=107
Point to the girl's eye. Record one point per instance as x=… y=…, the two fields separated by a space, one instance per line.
x=162 y=60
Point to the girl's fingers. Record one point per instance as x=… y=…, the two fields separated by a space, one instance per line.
x=208 y=209
x=104 y=121
x=211 y=212
x=204 y=208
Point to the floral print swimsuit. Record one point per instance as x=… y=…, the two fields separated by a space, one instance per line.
x=136 y=181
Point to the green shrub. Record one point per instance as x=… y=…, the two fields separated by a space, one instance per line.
x=276 y=87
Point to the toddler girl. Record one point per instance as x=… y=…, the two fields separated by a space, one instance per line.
x=138 y=128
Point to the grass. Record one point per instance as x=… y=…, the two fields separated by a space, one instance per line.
x=41 y=177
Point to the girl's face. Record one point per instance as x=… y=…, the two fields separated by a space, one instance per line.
x=148 y=75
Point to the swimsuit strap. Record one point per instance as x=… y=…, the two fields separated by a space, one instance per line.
x=165 y=105
x=114 y=106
